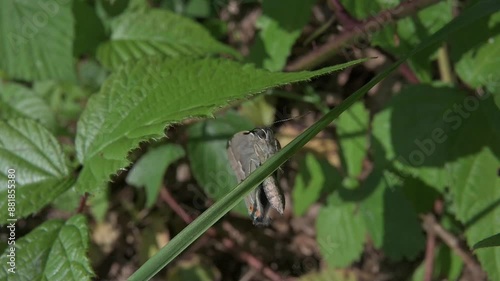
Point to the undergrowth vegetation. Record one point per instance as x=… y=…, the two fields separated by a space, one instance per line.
x=115 y=116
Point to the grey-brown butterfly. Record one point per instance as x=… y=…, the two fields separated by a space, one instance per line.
x=246 y=151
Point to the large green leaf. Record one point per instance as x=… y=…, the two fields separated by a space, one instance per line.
x=17 y=101
x=418 y=143
x=352 y=128
x=157 y=32
x=390 y=218
x=207 y=152
x=37 y=41
x=279 y=28
x=221 y=207
x=148 y=172
x=55 y=250
x=139 y=100
x=340 y=232
x=30 y=155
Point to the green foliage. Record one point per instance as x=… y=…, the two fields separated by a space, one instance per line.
x=401 y=37
x=477 y=196
x=492 y=241
x=329 y=274
x=141 y=175
x=352 y=128
x=316 y=176
x=56 y=250
x=430 y=141
x=37 y=165
x=416 y=142
x=340 y=232
x=18 y=101
x=208 y=155
x=389 y=216
x=475 y=58
x=268 y=52
x=156 y=32
x=36 y=43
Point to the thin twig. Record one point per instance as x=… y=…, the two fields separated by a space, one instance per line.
x=408 y=74
x=429 y=255
x=366 y=27
x=172 y=203
x=444 y=66
x=430 y=224
x=83 y=203
x=430 y=248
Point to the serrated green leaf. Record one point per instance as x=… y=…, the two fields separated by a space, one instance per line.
x=315 y=176
x=40 y=168
x=207 y=154
x=17 y=101
x=476 y=193
x=55 y=250
x=478 y=67
x=279 y=29
x=391 y=220
x=352 y=128
x=157 y=32
x=340 y=232
x=139 y=100
x=149 y=170
x=37 y=40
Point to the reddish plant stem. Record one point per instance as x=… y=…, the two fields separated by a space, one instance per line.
x=366 y=27
x=83 y=202
x=172 y=203
x=430 y=224
x=408 y=74
x=229 y=244
x=430 y=248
